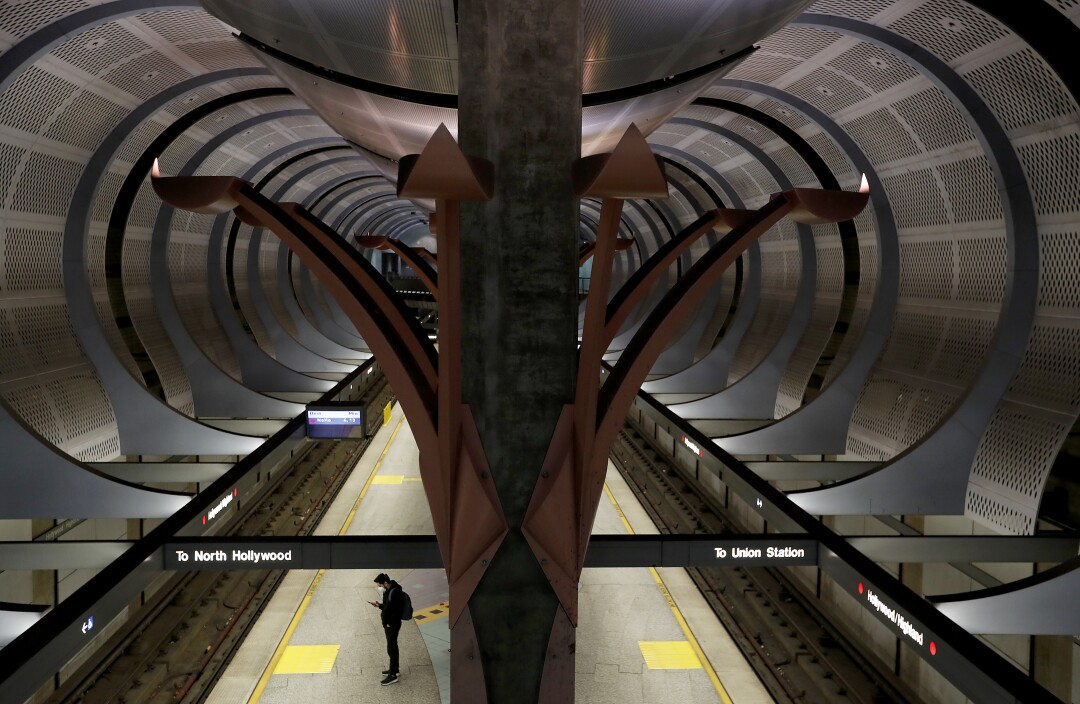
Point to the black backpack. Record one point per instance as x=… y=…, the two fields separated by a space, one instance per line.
x=406 y=605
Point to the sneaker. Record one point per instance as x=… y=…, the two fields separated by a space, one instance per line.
x=390 y=679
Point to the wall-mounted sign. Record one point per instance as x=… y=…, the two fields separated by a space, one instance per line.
x=88 y=625
x=756 y=552
x=890 y=614
x=335 y=417
x=222 y=555
x=691 y=445
x=324 y=423
x=220 y=506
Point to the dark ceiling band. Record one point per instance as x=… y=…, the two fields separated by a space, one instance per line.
x=704 y=168
x=234 y=230
x=244 y=126
x=399 y=231
x=200 y=360
x=315 y=203
x=400 y=222
x=653 y=219
x=258 y=369
x=345 y=222
x=121 y=210
x=1049 y=32
x=318 y=195
x=694 y=176
x=29 y=49
x=849 y=236
x=685 y=260
x=341 y=222
x=379 y=217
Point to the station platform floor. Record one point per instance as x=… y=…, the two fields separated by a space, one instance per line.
x=644 y=635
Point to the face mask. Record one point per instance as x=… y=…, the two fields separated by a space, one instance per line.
x=382 y=590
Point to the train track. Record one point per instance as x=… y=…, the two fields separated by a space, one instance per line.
x=179 y=641
x=797 y=654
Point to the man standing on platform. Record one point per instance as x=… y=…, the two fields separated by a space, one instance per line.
x=392 y=604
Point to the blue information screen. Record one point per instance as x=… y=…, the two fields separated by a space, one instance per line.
x=335 y=423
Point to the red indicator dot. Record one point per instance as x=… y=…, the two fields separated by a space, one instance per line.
x=933 y=648
x=235 y=491
x=861 y=588
x=204 y=520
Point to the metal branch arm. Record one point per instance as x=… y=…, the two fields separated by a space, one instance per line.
x=652 y=337
x=631 y=292
x=389 y=303
x=415 y=258
x=370 y=303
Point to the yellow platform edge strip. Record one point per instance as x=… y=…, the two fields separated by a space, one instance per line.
x=713 y=677
x=271 y=666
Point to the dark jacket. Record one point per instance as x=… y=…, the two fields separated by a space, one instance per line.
x=392 y=605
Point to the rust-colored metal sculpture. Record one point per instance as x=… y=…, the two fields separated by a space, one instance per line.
x=475 y=525
x=465 y=507
x=376 y=310
x=412 y=256
x=621 y=244
x=373 y=241
x=564 y=503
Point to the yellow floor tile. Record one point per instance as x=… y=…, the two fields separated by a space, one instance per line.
x=431 y=613
x=669 y=655
x=307 y=659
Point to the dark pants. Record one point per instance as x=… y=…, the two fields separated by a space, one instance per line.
x=391 y=632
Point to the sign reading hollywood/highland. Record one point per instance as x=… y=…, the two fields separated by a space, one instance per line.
x=223 y=556
x=894 y=616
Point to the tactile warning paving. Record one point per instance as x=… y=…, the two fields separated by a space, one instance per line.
x=431 y=613
x=669 y=655
x=307 y=659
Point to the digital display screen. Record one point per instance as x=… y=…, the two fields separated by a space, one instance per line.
x=324 y=423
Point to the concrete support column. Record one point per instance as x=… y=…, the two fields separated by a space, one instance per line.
x=43 y=582
x=1053 y=664
x=520 y=108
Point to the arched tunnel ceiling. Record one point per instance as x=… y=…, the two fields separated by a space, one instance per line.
x=949 y=316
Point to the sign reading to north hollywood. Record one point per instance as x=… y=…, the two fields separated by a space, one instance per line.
x=771 y=552
x=236 y=556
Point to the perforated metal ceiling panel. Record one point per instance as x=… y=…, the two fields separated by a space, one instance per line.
x=939 y=176
x=949 y=212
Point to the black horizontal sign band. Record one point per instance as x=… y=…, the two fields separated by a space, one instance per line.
x=397 y=552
